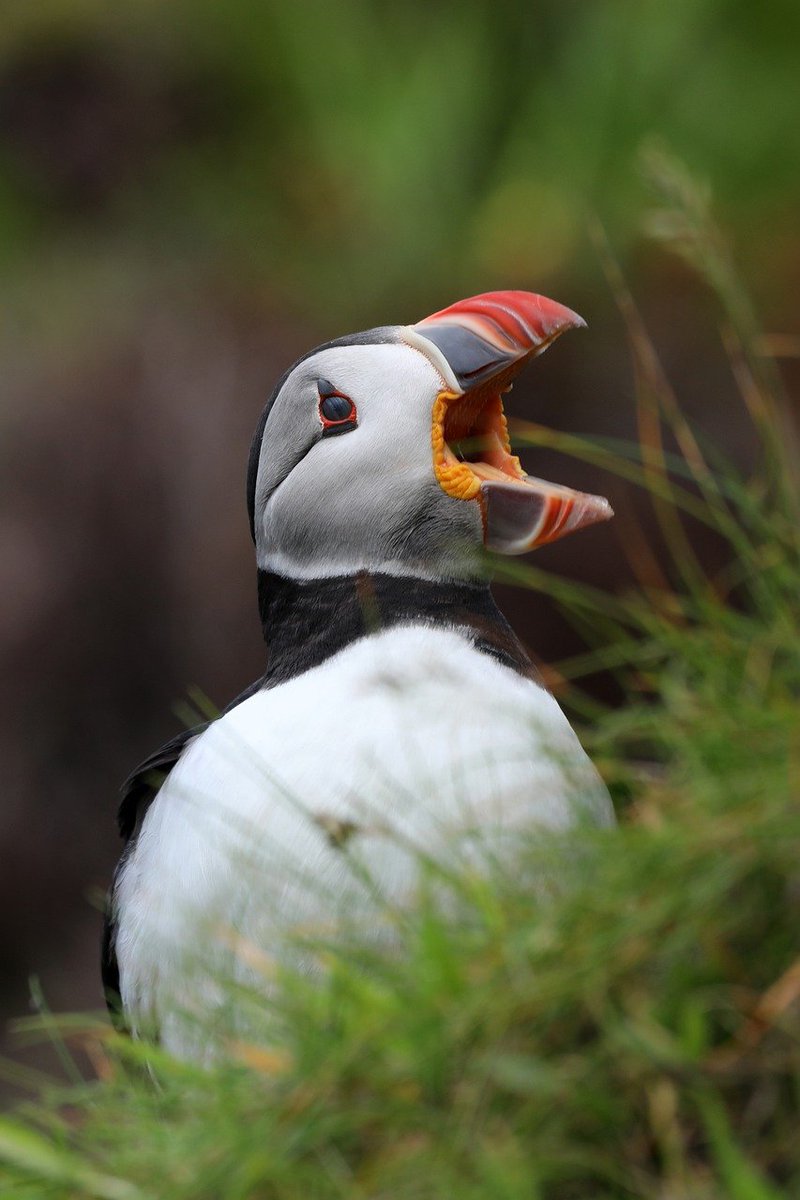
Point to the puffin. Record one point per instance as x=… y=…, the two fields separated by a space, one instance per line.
x=400 y=730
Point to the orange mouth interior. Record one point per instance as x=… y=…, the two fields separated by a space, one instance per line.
x=470 y=440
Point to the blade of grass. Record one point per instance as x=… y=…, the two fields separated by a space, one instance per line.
x=36 y=1156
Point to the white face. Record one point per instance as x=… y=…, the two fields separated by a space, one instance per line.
x=366 y=499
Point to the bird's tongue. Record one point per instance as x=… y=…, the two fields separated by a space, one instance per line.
x=528 y=512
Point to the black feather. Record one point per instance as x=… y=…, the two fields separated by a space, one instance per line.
x=137 y=794
x=304 y=624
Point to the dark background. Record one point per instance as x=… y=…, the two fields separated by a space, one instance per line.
x=193 y=194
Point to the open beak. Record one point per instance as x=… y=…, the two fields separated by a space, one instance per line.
x=480 y=345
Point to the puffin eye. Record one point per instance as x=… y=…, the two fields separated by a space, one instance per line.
x=336 y=408
x=337 y=411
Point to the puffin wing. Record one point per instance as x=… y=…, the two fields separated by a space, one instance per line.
x=137 y=794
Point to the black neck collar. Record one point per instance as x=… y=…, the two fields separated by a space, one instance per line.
x=305 y=622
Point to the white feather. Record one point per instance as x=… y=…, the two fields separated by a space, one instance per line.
x=412 y=736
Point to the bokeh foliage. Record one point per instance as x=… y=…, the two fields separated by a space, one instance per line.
x=345 y=159
x=355 y=162
x=616 y=1017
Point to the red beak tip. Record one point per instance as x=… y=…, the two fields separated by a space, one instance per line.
x=515 y=321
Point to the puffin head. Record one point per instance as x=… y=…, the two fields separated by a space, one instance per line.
x=388 y=451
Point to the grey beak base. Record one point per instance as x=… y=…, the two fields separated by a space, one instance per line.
x=471 y=359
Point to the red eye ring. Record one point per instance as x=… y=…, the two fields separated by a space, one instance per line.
x=337 y=412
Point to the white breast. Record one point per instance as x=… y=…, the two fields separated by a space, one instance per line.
x=319 y=797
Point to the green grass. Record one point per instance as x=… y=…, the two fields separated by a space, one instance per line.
x=631 y=1029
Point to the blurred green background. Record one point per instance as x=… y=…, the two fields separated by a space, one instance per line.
x=191 y=195
x=332 y=161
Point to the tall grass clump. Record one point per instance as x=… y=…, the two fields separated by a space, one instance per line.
x=629 y=1028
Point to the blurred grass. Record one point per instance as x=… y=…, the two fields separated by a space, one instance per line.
x=341 y=160
x=633 y=1031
